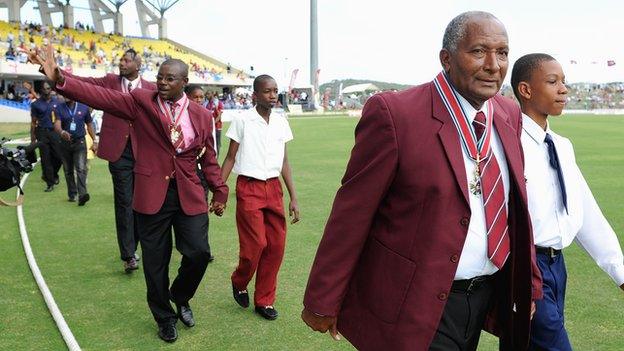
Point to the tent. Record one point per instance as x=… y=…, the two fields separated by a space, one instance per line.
x=360 y=88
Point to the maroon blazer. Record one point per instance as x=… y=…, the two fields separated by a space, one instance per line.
x=392 y=243
x=157 y=159
x=115 y=131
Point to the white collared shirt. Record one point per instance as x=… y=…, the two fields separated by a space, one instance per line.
x=261 y=145
x=136 y=83
x=552 y=226
x=474 y=261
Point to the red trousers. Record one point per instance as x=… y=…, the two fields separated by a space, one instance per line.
x=261 y=234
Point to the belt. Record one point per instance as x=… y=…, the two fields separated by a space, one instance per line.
x=252 y=179
x=470 y=285
x=548 y=251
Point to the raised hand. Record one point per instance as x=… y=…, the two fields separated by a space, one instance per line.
x=47 y=60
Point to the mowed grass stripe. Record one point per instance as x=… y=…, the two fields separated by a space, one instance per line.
x=106 y=309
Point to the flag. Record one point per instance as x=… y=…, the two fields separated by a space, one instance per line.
x=611 y=63
x=293 y=76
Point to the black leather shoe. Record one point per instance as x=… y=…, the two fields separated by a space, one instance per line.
x=167 y=332
x=82 y=199
x=267 y=312
x=241 y=297
x=186 y=315
x=130 y=265
x=49 y=188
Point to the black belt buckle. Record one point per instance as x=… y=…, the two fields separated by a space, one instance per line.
x=552 y=253
x=475 y=283
x=548 y=251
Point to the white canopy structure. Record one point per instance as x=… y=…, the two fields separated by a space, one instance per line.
x=360 y=88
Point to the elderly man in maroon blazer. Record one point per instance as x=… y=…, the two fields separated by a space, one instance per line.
x=170 y=136
x=116 y=146
x=429 y=231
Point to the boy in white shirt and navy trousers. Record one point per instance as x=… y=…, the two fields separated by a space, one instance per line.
x=561 y=205
x=257 y=153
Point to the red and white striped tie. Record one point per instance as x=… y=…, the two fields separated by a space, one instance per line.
x=178 y=144
x=494 y=202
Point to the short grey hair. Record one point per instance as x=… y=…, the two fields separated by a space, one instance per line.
x=456 y=29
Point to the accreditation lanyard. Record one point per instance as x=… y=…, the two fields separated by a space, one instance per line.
x=72 y=114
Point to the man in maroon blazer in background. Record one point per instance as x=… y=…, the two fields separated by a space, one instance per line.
x=170 y=135
x=116 y=146
x=405 y=261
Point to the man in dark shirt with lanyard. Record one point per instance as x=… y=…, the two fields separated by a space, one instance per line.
x=41 y=132
x=71 y=118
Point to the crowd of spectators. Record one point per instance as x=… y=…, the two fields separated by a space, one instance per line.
x=97 y=56
x=589 y=96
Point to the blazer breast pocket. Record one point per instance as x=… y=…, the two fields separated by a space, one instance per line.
x=384 y=279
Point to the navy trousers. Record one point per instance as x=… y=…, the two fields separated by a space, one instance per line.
x=547 y=328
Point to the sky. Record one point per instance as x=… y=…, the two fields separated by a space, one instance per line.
x=390 y=40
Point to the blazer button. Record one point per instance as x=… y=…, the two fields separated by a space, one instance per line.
x=166 y=177
x=130 y=124
x=442 y=296
x=454 y=258
x=464 y=221
x=126 y=137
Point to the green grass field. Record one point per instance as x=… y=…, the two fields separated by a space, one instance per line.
x=106 y=309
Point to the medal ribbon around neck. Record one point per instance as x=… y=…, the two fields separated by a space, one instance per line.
x=478 y=150
x=174 y=120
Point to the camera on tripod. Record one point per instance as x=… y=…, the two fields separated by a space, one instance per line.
x=13 y=162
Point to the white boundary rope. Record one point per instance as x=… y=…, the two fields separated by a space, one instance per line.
x=69 y=338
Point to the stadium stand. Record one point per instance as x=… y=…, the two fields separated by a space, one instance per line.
x=84 y=49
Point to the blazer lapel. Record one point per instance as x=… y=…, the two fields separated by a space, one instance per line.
x=194 y=115
x=511 y=145
x=450 y=140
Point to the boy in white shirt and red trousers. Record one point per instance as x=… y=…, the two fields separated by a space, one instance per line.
x=257 y=153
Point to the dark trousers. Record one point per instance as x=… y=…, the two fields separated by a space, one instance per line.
x=191 y=240
x=75 y=160
x=463 y=318
x=547 y=328
x=51 y=155
x=122 y=172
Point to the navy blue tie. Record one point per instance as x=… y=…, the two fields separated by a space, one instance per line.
x=554 y=163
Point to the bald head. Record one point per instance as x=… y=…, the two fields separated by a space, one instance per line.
x=458 y=27
x=177 y=67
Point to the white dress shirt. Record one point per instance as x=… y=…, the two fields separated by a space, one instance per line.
x=261 y=145
x=474 y=260
x=136 y=83
x=552 y=225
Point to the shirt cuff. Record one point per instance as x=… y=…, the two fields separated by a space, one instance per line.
x=617 y=274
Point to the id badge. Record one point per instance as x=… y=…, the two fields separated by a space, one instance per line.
x=72 y=126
